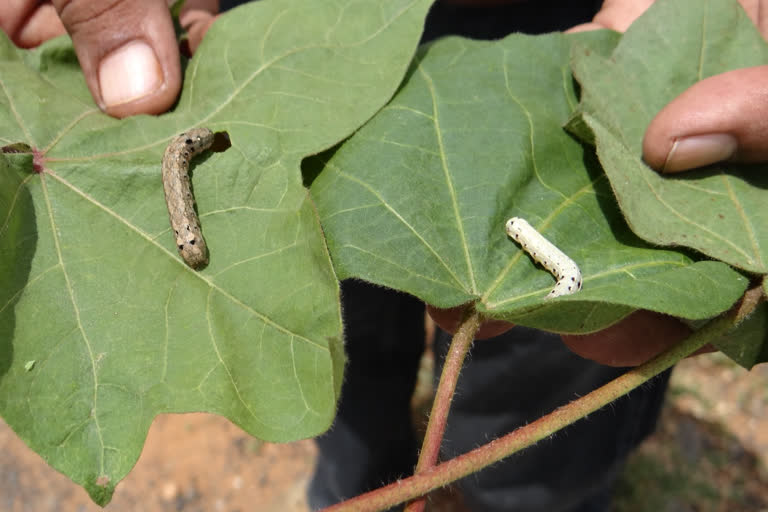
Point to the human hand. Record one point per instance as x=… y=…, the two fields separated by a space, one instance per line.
x=630 y=342
x=127 y=48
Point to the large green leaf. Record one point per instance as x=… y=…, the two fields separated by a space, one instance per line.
x=418 y=198
x=102 y=326
x=720 y=211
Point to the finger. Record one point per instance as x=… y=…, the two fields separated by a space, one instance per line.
x=128 y=52
x=633 y=341
x=724 y=117
x=196 y=18
x=757 y=10
x=43 y=24
x=585 y=27
x=28 y=23
x=615 y=15
x=448 y=320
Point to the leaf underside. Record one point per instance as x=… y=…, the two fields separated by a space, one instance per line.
x=91 y=286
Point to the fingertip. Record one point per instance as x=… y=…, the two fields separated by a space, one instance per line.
x=698 y=151
x=196 y=23
x=656 y=145
x=585 y=27
x=718 y=119
x=448 y=320
x=41 y=25
x=631 y=342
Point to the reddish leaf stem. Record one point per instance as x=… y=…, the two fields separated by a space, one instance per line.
x=454 y=360
x=470 y=462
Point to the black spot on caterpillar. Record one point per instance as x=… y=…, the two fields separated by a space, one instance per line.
x=178 y=194
x=550 y=257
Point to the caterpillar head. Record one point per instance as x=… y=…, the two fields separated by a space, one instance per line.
x=191 y=245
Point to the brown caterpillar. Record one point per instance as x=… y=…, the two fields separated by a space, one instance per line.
x=178 y=194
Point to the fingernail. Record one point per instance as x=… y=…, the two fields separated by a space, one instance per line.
x=129 y=73
x=698 y=150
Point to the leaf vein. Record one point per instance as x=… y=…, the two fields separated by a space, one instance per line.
x=81 y=328
x=448 y=181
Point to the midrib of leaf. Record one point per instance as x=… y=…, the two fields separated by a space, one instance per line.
x=268 y=33
x=27 y=285
x=16 y=115
x=166 y=325
x=21 y=187
x=289 y=53
x=231 y=378
x=198 y=275
x=449 y=182
x=607 y=273
x=307 y=407
x=163 y=141
x=69 y=128
x=111 y=154
x=190 y=102
x=54 y=233
x=747 y=224
x=202 y=121
x=397 y=264
x=702 y=46
x=257 y=257
x=565 y=72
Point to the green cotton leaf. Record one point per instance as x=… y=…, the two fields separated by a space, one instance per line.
x=91 y=286
x=417 y=199
x=719 y=211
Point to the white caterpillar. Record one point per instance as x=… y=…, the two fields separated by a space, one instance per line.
x=178 y=194
x=550 y=257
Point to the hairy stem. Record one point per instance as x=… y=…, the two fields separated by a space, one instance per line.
x=470 y=462
x=454 y=360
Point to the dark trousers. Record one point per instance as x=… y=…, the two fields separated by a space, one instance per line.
x=507 y=381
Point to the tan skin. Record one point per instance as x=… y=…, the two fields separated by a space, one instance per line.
x=730 y=109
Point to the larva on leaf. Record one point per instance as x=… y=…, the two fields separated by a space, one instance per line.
x=545 y=253
x=178 y=193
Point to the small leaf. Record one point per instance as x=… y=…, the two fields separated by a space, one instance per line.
x=748 y=343
x=719 y=211
x=418 y=198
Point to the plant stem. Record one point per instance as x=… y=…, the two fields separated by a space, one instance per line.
x=470 y=462
x=454 y=360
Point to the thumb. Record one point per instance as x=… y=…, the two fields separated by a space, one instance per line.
x=724 y=117
x=128 y=52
